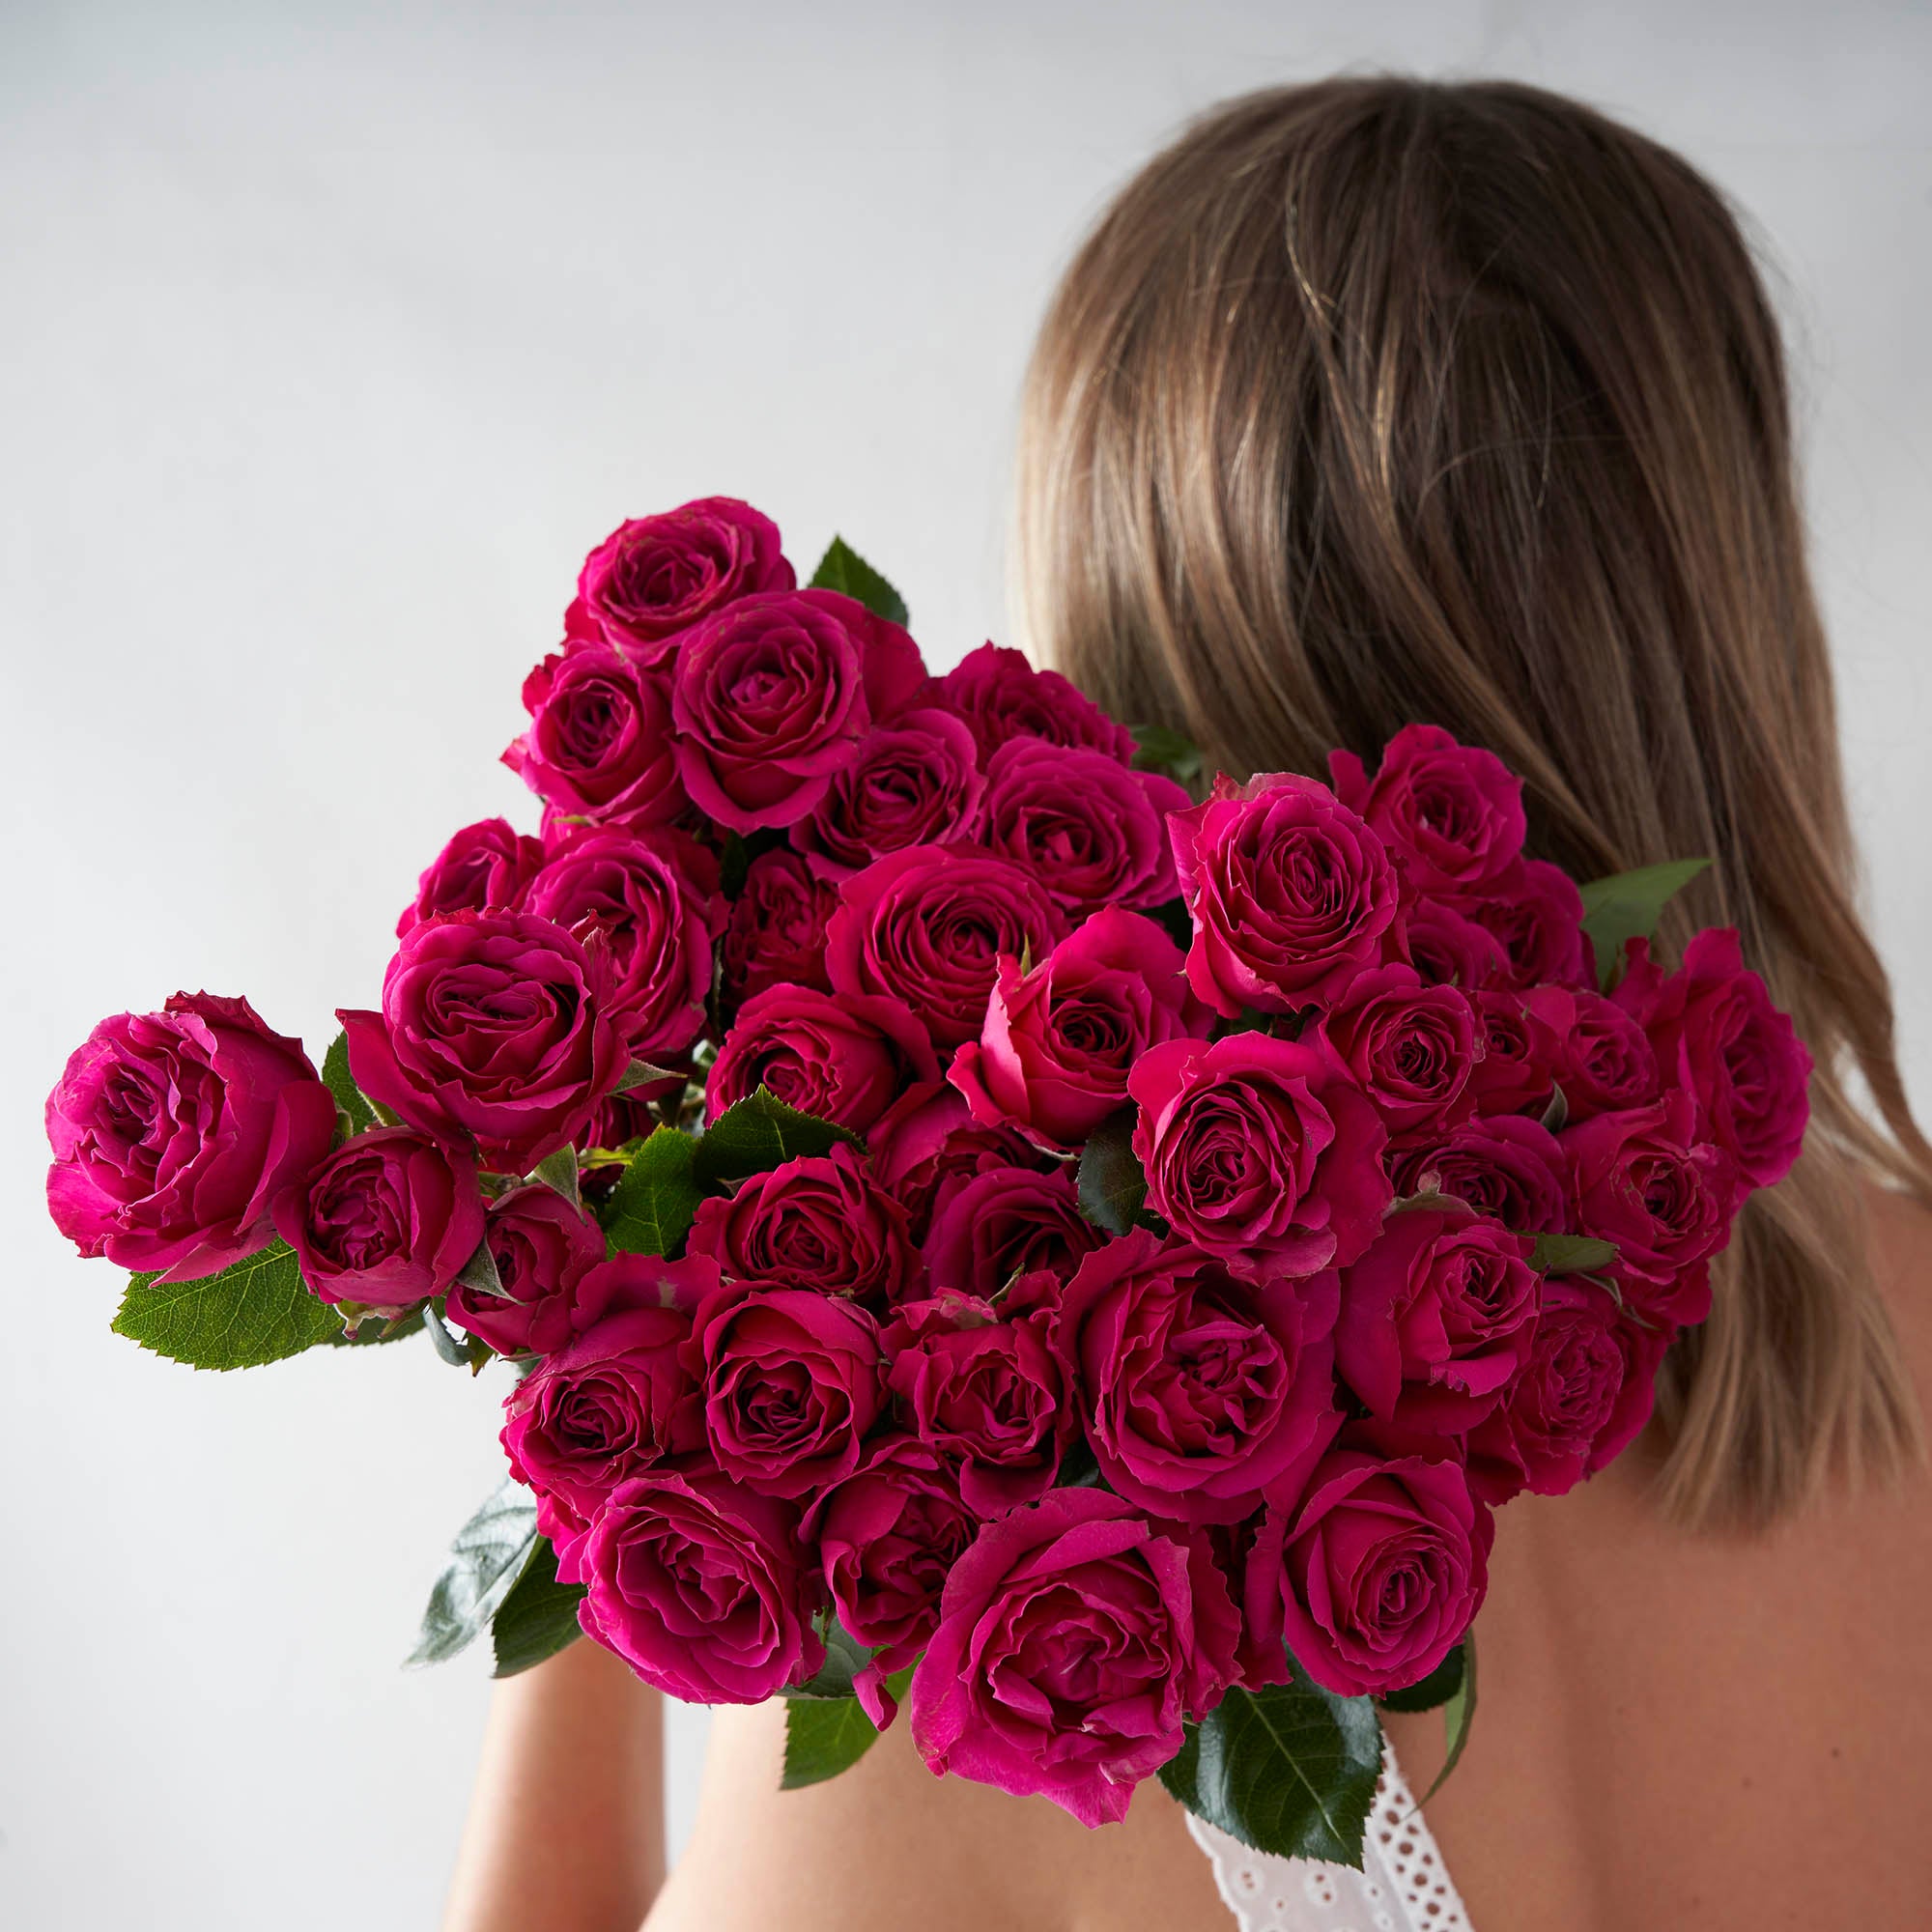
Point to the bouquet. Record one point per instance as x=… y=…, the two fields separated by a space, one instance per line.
x=985 y=1230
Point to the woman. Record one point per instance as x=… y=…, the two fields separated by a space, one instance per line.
x=1371 y=402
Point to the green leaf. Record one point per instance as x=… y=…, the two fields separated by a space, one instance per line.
x=260 y=1310
x=1290 y=1770
x=644 y=1073
x=468 y=1354
x=1571 y=1253
x=842 y=568
x=1627 y=906
x=558 y=1172
x=1435 y=1689
x=758 y=1134
x=485 y=1561
x=479 y=1272
x=340 y=1082
x=538 y=1618
x=1159 y=747
x=844 y=1658
x=649 y=1210
x=1456 y=1715
x=824 y=1737
x=1111 y=1185
x=370 y=1333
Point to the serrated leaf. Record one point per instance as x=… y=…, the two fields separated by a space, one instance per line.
x=1291 y=1770
x=258 y=1310
x=538 y=1618
x=1456 y=1714
x=1627 y=905
x=649 y=1212
x=1432 y=1691
x=758 y=1134
x=485 y=1561
x=337 y=1078
x=842 y=568
x=1571 y=1253
x=558 y=1173
x=1110 y=1183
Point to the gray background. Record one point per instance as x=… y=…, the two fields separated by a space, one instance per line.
x=331 y=339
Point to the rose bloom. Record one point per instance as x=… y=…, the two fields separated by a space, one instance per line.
x=599 y=743
x=1448 y=948
x=699 y=1585
x=819 y=1222
x=486 y=865
x=1290 y=892
x=1054 y=1056
x=984 y=1389
x=1437 y=1319
x=1522 y=1048
x=928 y=926
x=1198 y=1389
x=387 y=1220
x=653 y=576
x=1074 y=1638
x=995 y=1223
x=493 y=1024
x=928 y=1139
x=1411 y=1047
x=844 y=1059
x=1372 y=1567
x=772 y=695
x=1605 y=1063
x=914 y=782
x=543 y=1248
x=173 y=1133
x=1502 y=1165
x=1535 y=913
x=1451 y=813
x=1264 y=1151
x=1002 y=697
x=776 y=931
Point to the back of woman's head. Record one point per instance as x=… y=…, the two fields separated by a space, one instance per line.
x=1379 y=401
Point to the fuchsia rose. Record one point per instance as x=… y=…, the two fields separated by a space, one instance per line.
x=599 y=743
x=387 y=1220
x=1074 y=1638
x=820 y=1222
x=1372 y=1569
x=793 y=1379
x=1521 y=1049
x=1448 y=949
x=914 y=782
x=1263 y=1151
x=845 y=1060
x=775 y=932
x=928 y=926
x=983 y=1390
x=543 y=1248
x=925 y=1142
x=1002 y=697
x=1198 y=1389
x=1535 y=913
x=1092 y=831
x=1058 y=1043
x=1605 y=1063
x=1452 y=813
x=1411 y=1047
x=699 y=1585
x=772 y=695
x=655 y=899
x=493 y=1024
x=998 y=1222
x=173 y=1133
x=653 y=576
x=485 y=864
x=1501 y=1165
x=1437 y=1319
x=1291 y=894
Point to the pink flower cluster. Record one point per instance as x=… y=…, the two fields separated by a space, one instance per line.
x=1079 y=1460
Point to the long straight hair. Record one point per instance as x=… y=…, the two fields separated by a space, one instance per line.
x=1380 y=400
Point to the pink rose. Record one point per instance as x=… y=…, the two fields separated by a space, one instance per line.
x=387 y=1220
x=772 y=695
x=914 y=782
x=1535 y=913
x=928 y=926
x=931 y=1137
x=698 y=1584
x=998 y=1222
x=173 y=1133
x=543 y=1248
x=1059 y=1041
x=1605 y=1063
x=1002 y=697
x=1521 y=1049
x=599 y=742
x=1451 y=813
x=1448 y=949
x=1411 y=1047
x=775 y=932
x=493 y=1024
x=486 y=865
x=1437 y=1319
x=653 y=576
x=844 y=1060
x=1502 y=1165
x=1198 y=1389
x=1260 y=1150
x=1074 y=1638
x=1291 y=894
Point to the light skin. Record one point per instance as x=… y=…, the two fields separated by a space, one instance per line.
x=1674 y=1730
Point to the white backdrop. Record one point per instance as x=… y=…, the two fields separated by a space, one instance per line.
x=331 y=338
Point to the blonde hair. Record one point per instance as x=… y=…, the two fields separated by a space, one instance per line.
x=1380 y=400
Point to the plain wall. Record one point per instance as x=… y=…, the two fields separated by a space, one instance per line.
x=331 y=339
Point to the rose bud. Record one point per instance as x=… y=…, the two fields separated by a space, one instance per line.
x=1411 y=1047
x=599 y=743
x=1504 y=1166
x=1002 y=697
x=914 y=782
x=173 y=1133
x=775 y=932
x=484 y=865
x=1535 y=913
x=989 y=1226
x=543 y=1248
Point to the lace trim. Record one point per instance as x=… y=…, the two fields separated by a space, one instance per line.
x=1403 y=1885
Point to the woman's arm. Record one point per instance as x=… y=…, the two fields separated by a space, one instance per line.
x=566 y=1823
